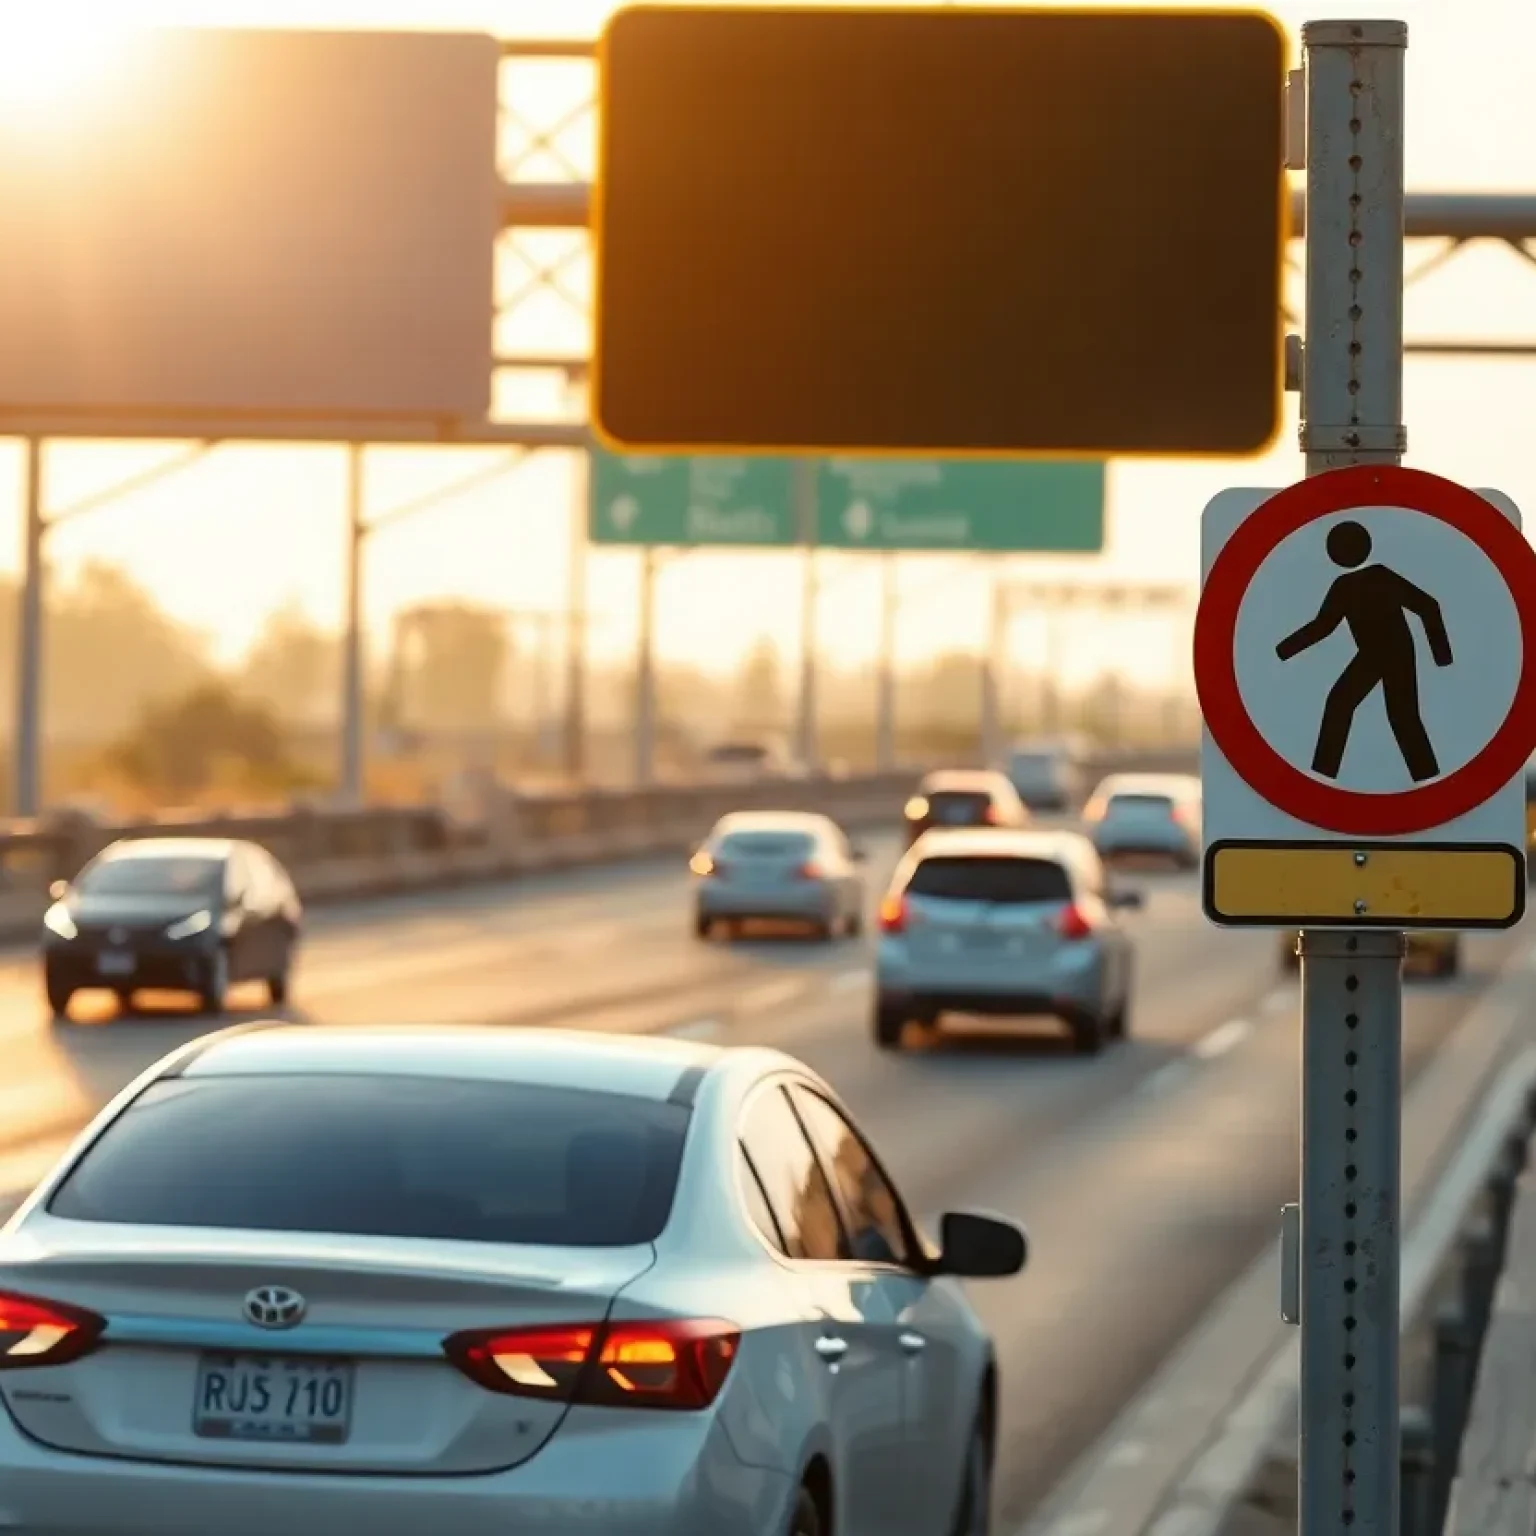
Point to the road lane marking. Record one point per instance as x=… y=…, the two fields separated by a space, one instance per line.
x=1280 y=1000
x=1167 y=1076
x=1128 y=1453
x=849 y=981
x=770 y=996
x=1223 y=1038
x=696 y=1029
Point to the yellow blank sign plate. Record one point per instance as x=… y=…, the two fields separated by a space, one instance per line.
x=1364 y=885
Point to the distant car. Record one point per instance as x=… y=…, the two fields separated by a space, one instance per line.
x=744 y=761
x=1428 y=952
x=464 y=1281
x=1156 y=814
x=195 y=914
x=779 y=866
x=964 y=797
x=1004 y=923
x=1047 y=776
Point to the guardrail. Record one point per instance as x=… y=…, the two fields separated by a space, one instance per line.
x=1466 y=1465
x=1482 y=1482
x=336 y=854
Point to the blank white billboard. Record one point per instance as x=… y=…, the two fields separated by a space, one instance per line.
x=260 y=224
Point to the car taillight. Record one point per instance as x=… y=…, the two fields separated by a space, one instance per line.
x=37 y=1332
x=671 y=1363
x=1094 y=810
x=1073 y=925
x=989 y=815
x=916 y=808
x=810 y=871
x=701 y=864
x=1184 y=815
x=893 y=914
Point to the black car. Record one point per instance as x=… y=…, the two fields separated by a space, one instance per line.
x=964 y=797
x=194 y=914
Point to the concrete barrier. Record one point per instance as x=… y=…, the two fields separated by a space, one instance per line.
x=377 y=851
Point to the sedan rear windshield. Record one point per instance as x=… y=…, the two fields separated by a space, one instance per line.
x=386 y=1157
x=1162 y=804
x=151 y=876
x=1001 y=880
x=767 y=845
x=956 y=805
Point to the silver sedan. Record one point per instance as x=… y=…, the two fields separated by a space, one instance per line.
x=778 y=866
x=471 y=1282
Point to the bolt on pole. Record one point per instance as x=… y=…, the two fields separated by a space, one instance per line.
x=1351 y=980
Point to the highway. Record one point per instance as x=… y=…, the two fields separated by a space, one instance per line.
x=1148 y=1177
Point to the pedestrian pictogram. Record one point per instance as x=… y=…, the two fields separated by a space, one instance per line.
x=1365 y=656
x=1373 y=601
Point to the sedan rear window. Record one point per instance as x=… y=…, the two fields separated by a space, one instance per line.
x=767 y=845
x=1162 y=804
x=386 y=1157
x=130 y=875
x=1000 y=880
x=958 y=807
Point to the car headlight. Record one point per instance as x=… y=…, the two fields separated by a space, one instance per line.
x=190 y=925
x=57 y=920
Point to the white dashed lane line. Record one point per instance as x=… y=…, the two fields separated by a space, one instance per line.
x=1223 y=1038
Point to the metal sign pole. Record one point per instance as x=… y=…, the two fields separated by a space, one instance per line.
x=1351 y=981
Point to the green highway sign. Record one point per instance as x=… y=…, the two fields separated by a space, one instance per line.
x=1048 y=506
x=658 y=499
x=928 y=504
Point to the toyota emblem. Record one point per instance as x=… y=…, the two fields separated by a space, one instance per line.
x=275 y=1306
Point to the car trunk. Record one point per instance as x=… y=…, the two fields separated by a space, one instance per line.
x=760 y=861
x=958 y=808
x=985 y=921
x=1141 y=813
x=360 y=1384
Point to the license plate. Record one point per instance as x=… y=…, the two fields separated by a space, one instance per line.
x=115 y=962
x=255 y=1397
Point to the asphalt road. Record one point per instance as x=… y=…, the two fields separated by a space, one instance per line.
x=1149 y=1177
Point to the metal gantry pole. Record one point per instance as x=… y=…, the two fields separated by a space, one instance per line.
x=645 y=673
x=806 y=734
x=1351 y=981
x=26 y=787
x=353 y=703
x=992 y=663
x=885 y=674
x=575 y=729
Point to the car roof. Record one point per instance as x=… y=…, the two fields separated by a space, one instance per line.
x=773 y=821
x=998 y=843
x=962 y=778
x=170 y=848
x=1150 y=784
x=641 y=1066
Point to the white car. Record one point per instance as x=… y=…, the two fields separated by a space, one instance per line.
x=463 y=1282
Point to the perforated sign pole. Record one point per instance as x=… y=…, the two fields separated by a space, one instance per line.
x=1351 y=980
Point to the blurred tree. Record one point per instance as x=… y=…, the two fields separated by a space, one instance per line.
x=758 y=706
x=294 y=669
x=447 y=668
x=208 y=735
x=108 y=652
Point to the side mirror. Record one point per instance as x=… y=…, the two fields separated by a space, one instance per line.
x=57 y=889
x=979 y=1247
x=1128 y=901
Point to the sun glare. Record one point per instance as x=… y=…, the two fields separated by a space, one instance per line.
x=52 y=63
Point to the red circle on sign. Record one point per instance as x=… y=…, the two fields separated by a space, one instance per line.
x=1285 y=786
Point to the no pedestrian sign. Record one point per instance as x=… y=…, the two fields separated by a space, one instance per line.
x=1365 y=656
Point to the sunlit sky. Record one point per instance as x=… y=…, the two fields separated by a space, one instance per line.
x=249 y=528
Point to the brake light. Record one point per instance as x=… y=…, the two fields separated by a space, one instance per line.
x=893 y=914
x=669 y=1363
x=1095 y=809
x=1073 y=925
x=37 y=1332
x=989 y=816
x=1184 y=815
x=810 y=871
